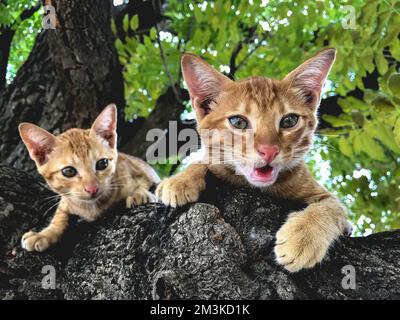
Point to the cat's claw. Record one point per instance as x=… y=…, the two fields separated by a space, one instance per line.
x=140 y=197
x=348 y=229
x=33 y=241
x=299 y=245
x=178 y=191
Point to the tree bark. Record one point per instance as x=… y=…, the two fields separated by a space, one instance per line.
x=219 y=248
x=167 y=109
x=71 y=74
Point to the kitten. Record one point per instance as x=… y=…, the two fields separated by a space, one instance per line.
x=279 y=117
x=85 y=169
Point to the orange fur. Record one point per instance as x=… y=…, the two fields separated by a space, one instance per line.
x=306 y=236
x=125 y=178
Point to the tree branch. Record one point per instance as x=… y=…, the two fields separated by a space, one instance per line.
x=250 y=52
x=167 y=109
x=175 y=88
x=223 y=250
x=232 y=61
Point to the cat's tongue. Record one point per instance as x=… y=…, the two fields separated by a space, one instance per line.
x=264 y=174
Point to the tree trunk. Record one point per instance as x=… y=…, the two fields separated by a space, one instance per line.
x=71 y=74
x=166 y=109
x=219 y=248
x=6 y=36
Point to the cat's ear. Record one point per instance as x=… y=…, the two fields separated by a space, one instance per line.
x=105 y=125
x=308 y=78
x=203 y=81
x=39 y=142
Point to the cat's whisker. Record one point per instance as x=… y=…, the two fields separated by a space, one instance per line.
x=51 y=207
x=57 y=196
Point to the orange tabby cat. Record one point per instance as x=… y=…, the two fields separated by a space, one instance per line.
x=86 y=170
x=279 y=118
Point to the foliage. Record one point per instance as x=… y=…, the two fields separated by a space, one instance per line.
x=366 y=171
x=25 y=32
x=212 y=29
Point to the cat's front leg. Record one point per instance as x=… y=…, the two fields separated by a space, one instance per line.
x=306 y=236
x=139 y=197
x=40 y=241
x=183 y=188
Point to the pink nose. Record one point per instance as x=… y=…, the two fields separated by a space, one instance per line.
x=268 y=152
x=92 y=189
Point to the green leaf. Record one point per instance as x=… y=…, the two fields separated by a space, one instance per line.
x=396 y=132
x=227 y=6
x=198 y=15
x=125 y=23
x=384 y=133
x=113 y=27
x=337 y=122
x=345 y=147
x=381 y=63
x=369 y=11
x=382 y=102
x=119 y=45
x=349 y=104
x=134 y=24
x=367 y=58
x=131 y=45
x=357 y=117
x=5 y=16
x=394 y=84
x=383 y=80
x=395 y=49
x=357 y=144
x=392 y=32
x=153 y=33
x=371 y=147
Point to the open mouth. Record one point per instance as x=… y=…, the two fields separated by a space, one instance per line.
x=265 y=174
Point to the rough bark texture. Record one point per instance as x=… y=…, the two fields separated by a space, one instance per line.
x=220 y=248
x=70 y=75
x=167 y=109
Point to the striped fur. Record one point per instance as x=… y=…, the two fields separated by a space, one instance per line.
x=125 y=178
x=306 y=236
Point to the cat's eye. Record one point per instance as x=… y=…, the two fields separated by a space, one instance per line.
x=69 y=172
x=101 y=164
x=289 y=121
x=238 y=122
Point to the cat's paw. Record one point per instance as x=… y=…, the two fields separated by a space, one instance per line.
x=33 y=241
x=299 y=244
x=141 y=196
x=178 y=191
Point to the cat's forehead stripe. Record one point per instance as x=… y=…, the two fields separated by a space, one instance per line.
x=263 y=92
x=78 y=142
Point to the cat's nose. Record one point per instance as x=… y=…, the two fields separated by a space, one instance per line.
x=92 y=189
x=267 y=152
